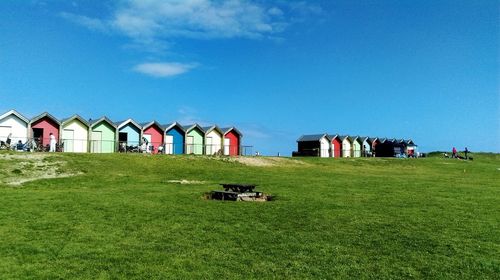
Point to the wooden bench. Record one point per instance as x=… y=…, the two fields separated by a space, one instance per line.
x=238 y=188
x=224 y=195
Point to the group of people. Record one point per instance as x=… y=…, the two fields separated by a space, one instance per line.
x=30 y=145
x=454 y=153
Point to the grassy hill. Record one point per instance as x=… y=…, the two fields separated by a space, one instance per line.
x=136 y=216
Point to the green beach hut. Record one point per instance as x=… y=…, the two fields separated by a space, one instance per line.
x=102 y=135
x=194 y=139
x=356 y=146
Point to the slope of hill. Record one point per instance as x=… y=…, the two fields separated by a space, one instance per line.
x=137 y=216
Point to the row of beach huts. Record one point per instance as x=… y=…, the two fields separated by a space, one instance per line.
x=102 y=135
x=334 y=145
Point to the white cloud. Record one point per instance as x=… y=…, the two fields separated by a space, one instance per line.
x=163 y=69
x=145 y=19
x=90 y=23
x=154 y=22
x=274 y=11
x=153 y=25
x=188 y=115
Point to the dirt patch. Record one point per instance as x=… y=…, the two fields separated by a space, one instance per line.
x=26 y=167
x=268 y=161
x=23 y=156
x=186 y=182
x=20 y=181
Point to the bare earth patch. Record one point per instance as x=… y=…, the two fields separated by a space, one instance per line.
x=27 y=167
x=268 y=161
x=186 y=182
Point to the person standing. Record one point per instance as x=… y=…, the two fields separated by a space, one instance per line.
x=52 y=143
x=454 y=153
x=466 y=152
x=9 y=140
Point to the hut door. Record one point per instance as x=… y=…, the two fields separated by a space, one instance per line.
x=68 y=140
x=148 y=138
x=227 y=144
x=189 y=144
x=123 y=138
x=209 y=145
x=96 y=142
x=4 y=132
x=346 y=149
x=169 y=144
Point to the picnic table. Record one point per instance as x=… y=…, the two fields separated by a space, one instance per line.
x=238 y=188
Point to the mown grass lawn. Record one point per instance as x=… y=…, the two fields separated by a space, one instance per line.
x=122 y=217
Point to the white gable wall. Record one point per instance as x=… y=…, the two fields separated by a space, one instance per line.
x=213 y=141
x=346 y=148
x=366 y=148
x=324 y=147
x=16 y=126
x=75 y=137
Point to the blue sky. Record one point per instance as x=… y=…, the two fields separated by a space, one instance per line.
x=426 y=70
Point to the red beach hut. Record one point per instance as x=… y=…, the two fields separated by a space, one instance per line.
x=336 y=146
x=232 y=141
x=153 y=132
x=41 y=127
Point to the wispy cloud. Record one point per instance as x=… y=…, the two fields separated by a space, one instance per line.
x=189 y=115
x=196 y=19
x=151 y=22
x=90 y=23
x=163 y=69
x=153 y=25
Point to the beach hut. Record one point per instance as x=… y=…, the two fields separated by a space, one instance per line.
x=174 y=139
x=102 y=136
x=346 y=146
x=153 y=132
x=194 y=139
x=232 y=141
x=389 y=148
x=336 y=146
x=41 y=127
x=366 y=147
x=75 y=132
x=374 y=141
x=15 y=126
x=356 y=146
x=129 y=133
x=411 y=148
x=213 y=140
x=314 y=145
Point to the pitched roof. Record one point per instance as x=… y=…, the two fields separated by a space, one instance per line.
x=363 y=138
x=102 y=119
x=411 y=143
x=151 y=123
x=167 y=127
x=190 y=127
x=43 y=115
x=121 y=124
x=208 y=129
x=226 y=130
x=332 y=136
x=343 y=137
x=312 y=137
x=75 y=117
x=15 y=113
x=353 y=138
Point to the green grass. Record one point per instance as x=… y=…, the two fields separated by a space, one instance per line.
x=333 y=218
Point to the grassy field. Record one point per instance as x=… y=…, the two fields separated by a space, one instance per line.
x=127 y=216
